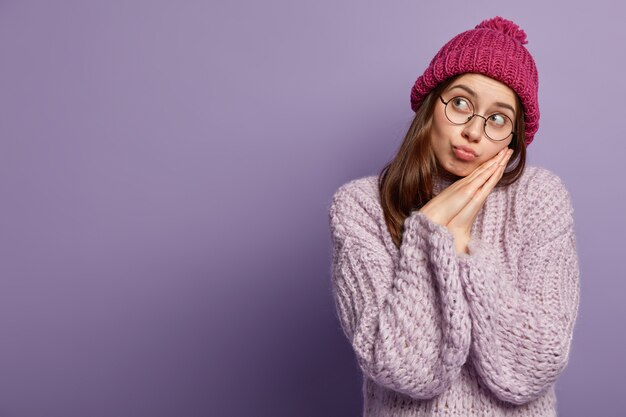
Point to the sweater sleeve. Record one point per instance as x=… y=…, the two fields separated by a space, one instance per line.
x=522 y=325
x=406 y=318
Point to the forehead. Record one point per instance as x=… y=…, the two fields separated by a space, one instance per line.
x=487 y=89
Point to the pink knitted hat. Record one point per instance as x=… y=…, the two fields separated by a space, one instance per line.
x=496 y=49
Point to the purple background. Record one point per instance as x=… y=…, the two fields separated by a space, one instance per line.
x=166 y=171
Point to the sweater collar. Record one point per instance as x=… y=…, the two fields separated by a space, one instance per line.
x=441 y=182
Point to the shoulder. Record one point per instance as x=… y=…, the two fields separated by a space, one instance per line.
x=541 y=199
x=538 y=186
x=357 y=202
x=536 y=182
x=361 y=191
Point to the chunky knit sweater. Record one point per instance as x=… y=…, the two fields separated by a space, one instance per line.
x=437 y=333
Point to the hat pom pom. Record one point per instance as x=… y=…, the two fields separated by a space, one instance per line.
x=505 y=26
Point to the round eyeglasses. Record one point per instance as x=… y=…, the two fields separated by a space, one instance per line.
x=460 y=110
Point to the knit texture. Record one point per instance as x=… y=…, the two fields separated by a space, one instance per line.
x=437 y=333
x=494 y=48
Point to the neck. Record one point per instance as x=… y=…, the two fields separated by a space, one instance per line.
x=442 y=179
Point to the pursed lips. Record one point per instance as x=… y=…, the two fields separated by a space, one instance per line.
x=466 y=149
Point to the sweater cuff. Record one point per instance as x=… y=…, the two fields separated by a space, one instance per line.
x=480 y=271
x=427 y=226
x=426 y=243
x=476 y=251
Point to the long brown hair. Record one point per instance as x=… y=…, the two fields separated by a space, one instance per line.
x=406 y=182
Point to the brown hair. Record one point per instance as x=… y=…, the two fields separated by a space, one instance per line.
x=406 y=182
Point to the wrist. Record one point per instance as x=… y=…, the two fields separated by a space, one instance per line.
x=461 y=243
x=461 y=248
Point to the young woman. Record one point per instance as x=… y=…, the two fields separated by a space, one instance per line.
x=455 y=273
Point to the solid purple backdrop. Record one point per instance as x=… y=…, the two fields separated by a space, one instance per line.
x=166 y=171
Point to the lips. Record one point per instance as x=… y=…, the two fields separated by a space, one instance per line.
x=464 y=153
x=466 y=150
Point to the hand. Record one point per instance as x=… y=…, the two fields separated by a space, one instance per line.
x=457 y=206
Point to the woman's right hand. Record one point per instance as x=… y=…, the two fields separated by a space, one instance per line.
x=451 y=201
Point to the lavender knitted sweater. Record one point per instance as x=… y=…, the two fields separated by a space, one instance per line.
x=438 y=333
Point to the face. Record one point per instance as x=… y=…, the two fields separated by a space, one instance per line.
x=462 y=148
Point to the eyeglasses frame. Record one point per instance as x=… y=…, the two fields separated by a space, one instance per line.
x=445 y=103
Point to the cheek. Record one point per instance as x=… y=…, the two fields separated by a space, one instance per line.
x=492 y=152
x=438 y=131
x=439 y=122
x=498 y=147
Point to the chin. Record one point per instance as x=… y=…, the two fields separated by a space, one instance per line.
x=459 y=171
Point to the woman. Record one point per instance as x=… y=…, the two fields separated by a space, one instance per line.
x=455 y=272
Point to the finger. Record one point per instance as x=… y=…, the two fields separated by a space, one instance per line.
x=475 y=183
x=485 y=166
x=463 y=190
x=472 y=183
x=478 y=197
x=469 y=212
x=460 y=202
x=495 y=178
x=491 y=165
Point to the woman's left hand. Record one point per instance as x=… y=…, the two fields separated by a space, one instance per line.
x=461 y=224
x=457 y=205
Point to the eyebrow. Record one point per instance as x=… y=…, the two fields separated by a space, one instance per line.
x=474 y=95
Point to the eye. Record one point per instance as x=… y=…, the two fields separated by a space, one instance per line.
x=461 y=104
x=498 y=120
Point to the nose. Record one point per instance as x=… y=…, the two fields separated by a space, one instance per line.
x=473 y=130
